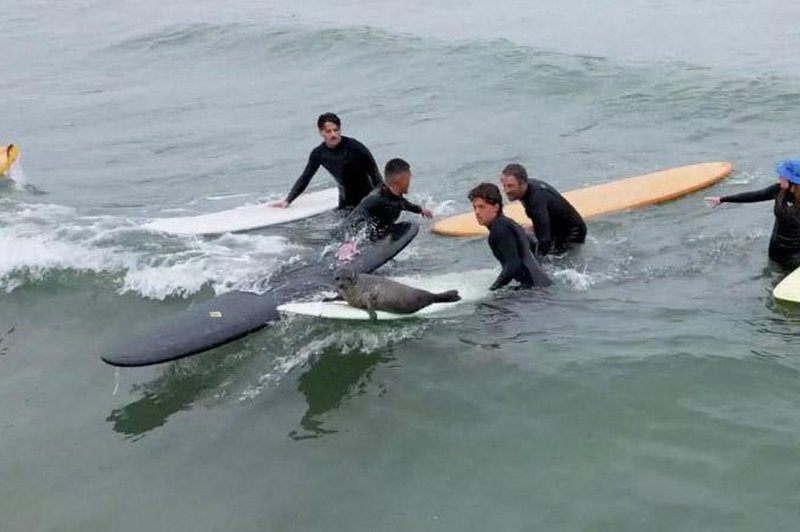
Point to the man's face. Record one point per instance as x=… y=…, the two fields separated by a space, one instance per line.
x=403 y=181
x=514 y=189
x=331 y=134
x=784 y=183
x=484 y=211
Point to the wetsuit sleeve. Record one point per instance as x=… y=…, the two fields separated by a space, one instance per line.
x=411 y=207
x=357 y=217
x=374 y=173
x=504 y=245
x=305 y=178
x=372 y=167
x=766 y=194
x=541 y=226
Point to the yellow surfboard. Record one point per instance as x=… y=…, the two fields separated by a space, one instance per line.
x=8 y=156
x=606 y=198
x=789 y=288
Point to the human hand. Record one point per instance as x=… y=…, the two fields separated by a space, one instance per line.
x=278 y=204
x=713 y=201
x=347 y=252
x=426 y=213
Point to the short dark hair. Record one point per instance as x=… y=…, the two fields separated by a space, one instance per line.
x=395 y=167
x=328 y=117
x=488 y=192
x=516 y=170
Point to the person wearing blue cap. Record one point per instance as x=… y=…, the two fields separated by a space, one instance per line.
x=784 y=245
x=556 y=223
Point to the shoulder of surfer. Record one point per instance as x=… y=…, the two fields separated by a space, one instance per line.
x=500 y=227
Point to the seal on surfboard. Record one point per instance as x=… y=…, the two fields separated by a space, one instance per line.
x=373 y=293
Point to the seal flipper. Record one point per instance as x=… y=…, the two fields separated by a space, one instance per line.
x=447 y=297
x=372 y=299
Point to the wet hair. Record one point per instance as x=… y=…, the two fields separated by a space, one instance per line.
x=328 y=117
x=516 y=170
x=489 y=193
x=395 y=167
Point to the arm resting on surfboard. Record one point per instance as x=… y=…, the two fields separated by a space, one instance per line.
x=754 y=196
x=305 y=178
x=507 y=253
x=541 y=227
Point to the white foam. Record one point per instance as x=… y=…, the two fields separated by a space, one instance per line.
x=39 y=239
x=17 y=174
x=580 y=281
x=30 y=258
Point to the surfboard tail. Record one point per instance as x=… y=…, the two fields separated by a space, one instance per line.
x=447 y=297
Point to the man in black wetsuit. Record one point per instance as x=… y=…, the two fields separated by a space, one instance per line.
x=556 y=223
x=350 y=163
x=508 y=241
x=382 y=207
x=784 y=244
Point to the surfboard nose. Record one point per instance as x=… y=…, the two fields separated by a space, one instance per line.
x=9 y=154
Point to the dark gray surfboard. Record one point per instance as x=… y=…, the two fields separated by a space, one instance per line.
x=231 y=316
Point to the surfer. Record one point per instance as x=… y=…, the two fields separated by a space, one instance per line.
x=784 y=244
x=508 y=241
x=556 y=223
x=350 y=163
x=382 y=207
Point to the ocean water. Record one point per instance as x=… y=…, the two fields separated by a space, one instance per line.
x=653 y=387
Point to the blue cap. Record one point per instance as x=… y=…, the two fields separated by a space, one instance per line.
x=789 y=170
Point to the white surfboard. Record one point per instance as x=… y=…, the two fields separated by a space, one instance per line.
x=789 y=288
x=249 y=217
x=471 y=286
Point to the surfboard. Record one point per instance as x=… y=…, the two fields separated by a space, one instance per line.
x=8 y=156
x=248 y=217
x=233 y=315
x=471 y=286
x=789 y=288
x=201 y=327
x=607 y=198
x=371 y=256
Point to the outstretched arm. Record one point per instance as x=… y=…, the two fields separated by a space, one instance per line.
x=754 y=196
x=413 y=207
x=305 y=178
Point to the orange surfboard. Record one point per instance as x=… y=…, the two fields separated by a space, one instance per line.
x=607 y=198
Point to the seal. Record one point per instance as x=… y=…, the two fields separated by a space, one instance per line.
x=371 y=293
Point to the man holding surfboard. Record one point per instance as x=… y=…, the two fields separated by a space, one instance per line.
x=556 y=223
x=784 y=244
x=509 y=243
x=350 y=163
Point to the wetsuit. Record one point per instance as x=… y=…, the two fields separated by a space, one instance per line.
x=378 y=211
x=784 y=244
x=555 y=221
x=350 y=163
x=513 y=248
